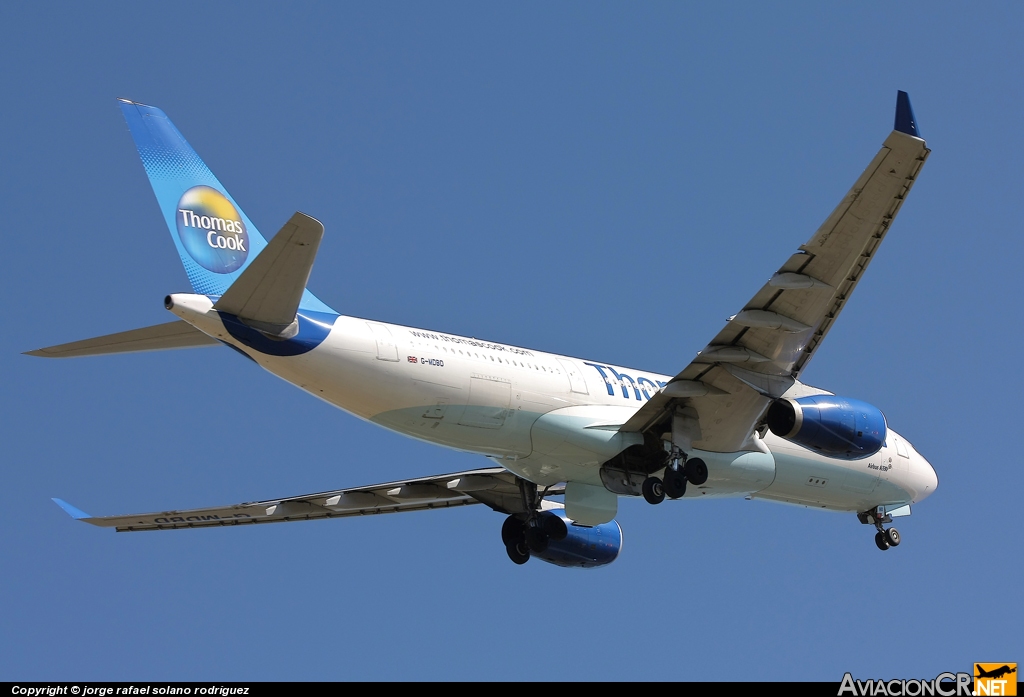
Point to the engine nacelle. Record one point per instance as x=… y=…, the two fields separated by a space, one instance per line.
x=835 y=426
x=584 y=547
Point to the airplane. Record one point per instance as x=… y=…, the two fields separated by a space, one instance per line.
x=736 y=421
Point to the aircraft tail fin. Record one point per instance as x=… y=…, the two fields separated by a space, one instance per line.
x=215 y=239
x=269 y=291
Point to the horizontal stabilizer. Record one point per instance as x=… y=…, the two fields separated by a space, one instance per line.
x=173 y=335
x=267 y=294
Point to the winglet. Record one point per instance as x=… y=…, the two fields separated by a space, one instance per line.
x=71 y=510
x=905 y=121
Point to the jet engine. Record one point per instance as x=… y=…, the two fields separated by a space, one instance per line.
x=584 y=547
x=834 y=426
x=557 y=540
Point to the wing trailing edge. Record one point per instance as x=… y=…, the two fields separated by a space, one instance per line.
x=494 y=487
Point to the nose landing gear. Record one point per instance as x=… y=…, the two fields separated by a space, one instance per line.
x=885 y=537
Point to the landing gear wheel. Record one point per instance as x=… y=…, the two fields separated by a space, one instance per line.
x=554 y=527
x=675 y=483
x=696 y=471
x=881 y=540
x=892 y=536
x=654 y=490
x=518 y=552
x=536 y=539
x=512 y=531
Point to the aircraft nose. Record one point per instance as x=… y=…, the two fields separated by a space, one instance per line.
x=927 y=479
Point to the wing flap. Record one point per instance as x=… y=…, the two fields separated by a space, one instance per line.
x=172 y=335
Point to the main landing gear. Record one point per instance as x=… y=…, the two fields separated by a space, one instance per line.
x=531 y=536
x=531 y=533
x=678 y=472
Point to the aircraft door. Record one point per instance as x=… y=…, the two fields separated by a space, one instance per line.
x=576 y=382
x=895 y=459
x=387 y=349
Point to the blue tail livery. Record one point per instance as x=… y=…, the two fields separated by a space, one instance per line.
x=215 y=239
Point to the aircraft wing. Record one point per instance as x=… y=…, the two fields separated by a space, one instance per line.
x=495 y=487
x=723 y=393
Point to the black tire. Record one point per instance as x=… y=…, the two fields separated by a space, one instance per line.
x=554 y=527
x=675 y=483
x=892 y=536
x=654 y=490
x=518 y=553
x=536 y=539
x=512 y=531
x=881 y=541
x=696 y=471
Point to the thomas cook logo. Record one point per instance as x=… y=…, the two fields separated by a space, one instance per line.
x=211 y=230
x=995 y=679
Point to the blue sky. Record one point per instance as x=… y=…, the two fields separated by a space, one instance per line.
x=603 y=180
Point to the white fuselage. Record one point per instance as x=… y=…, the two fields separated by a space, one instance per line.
x=551 y=418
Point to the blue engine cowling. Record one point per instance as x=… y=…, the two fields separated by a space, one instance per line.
x=835 y=426
x=584 y=547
